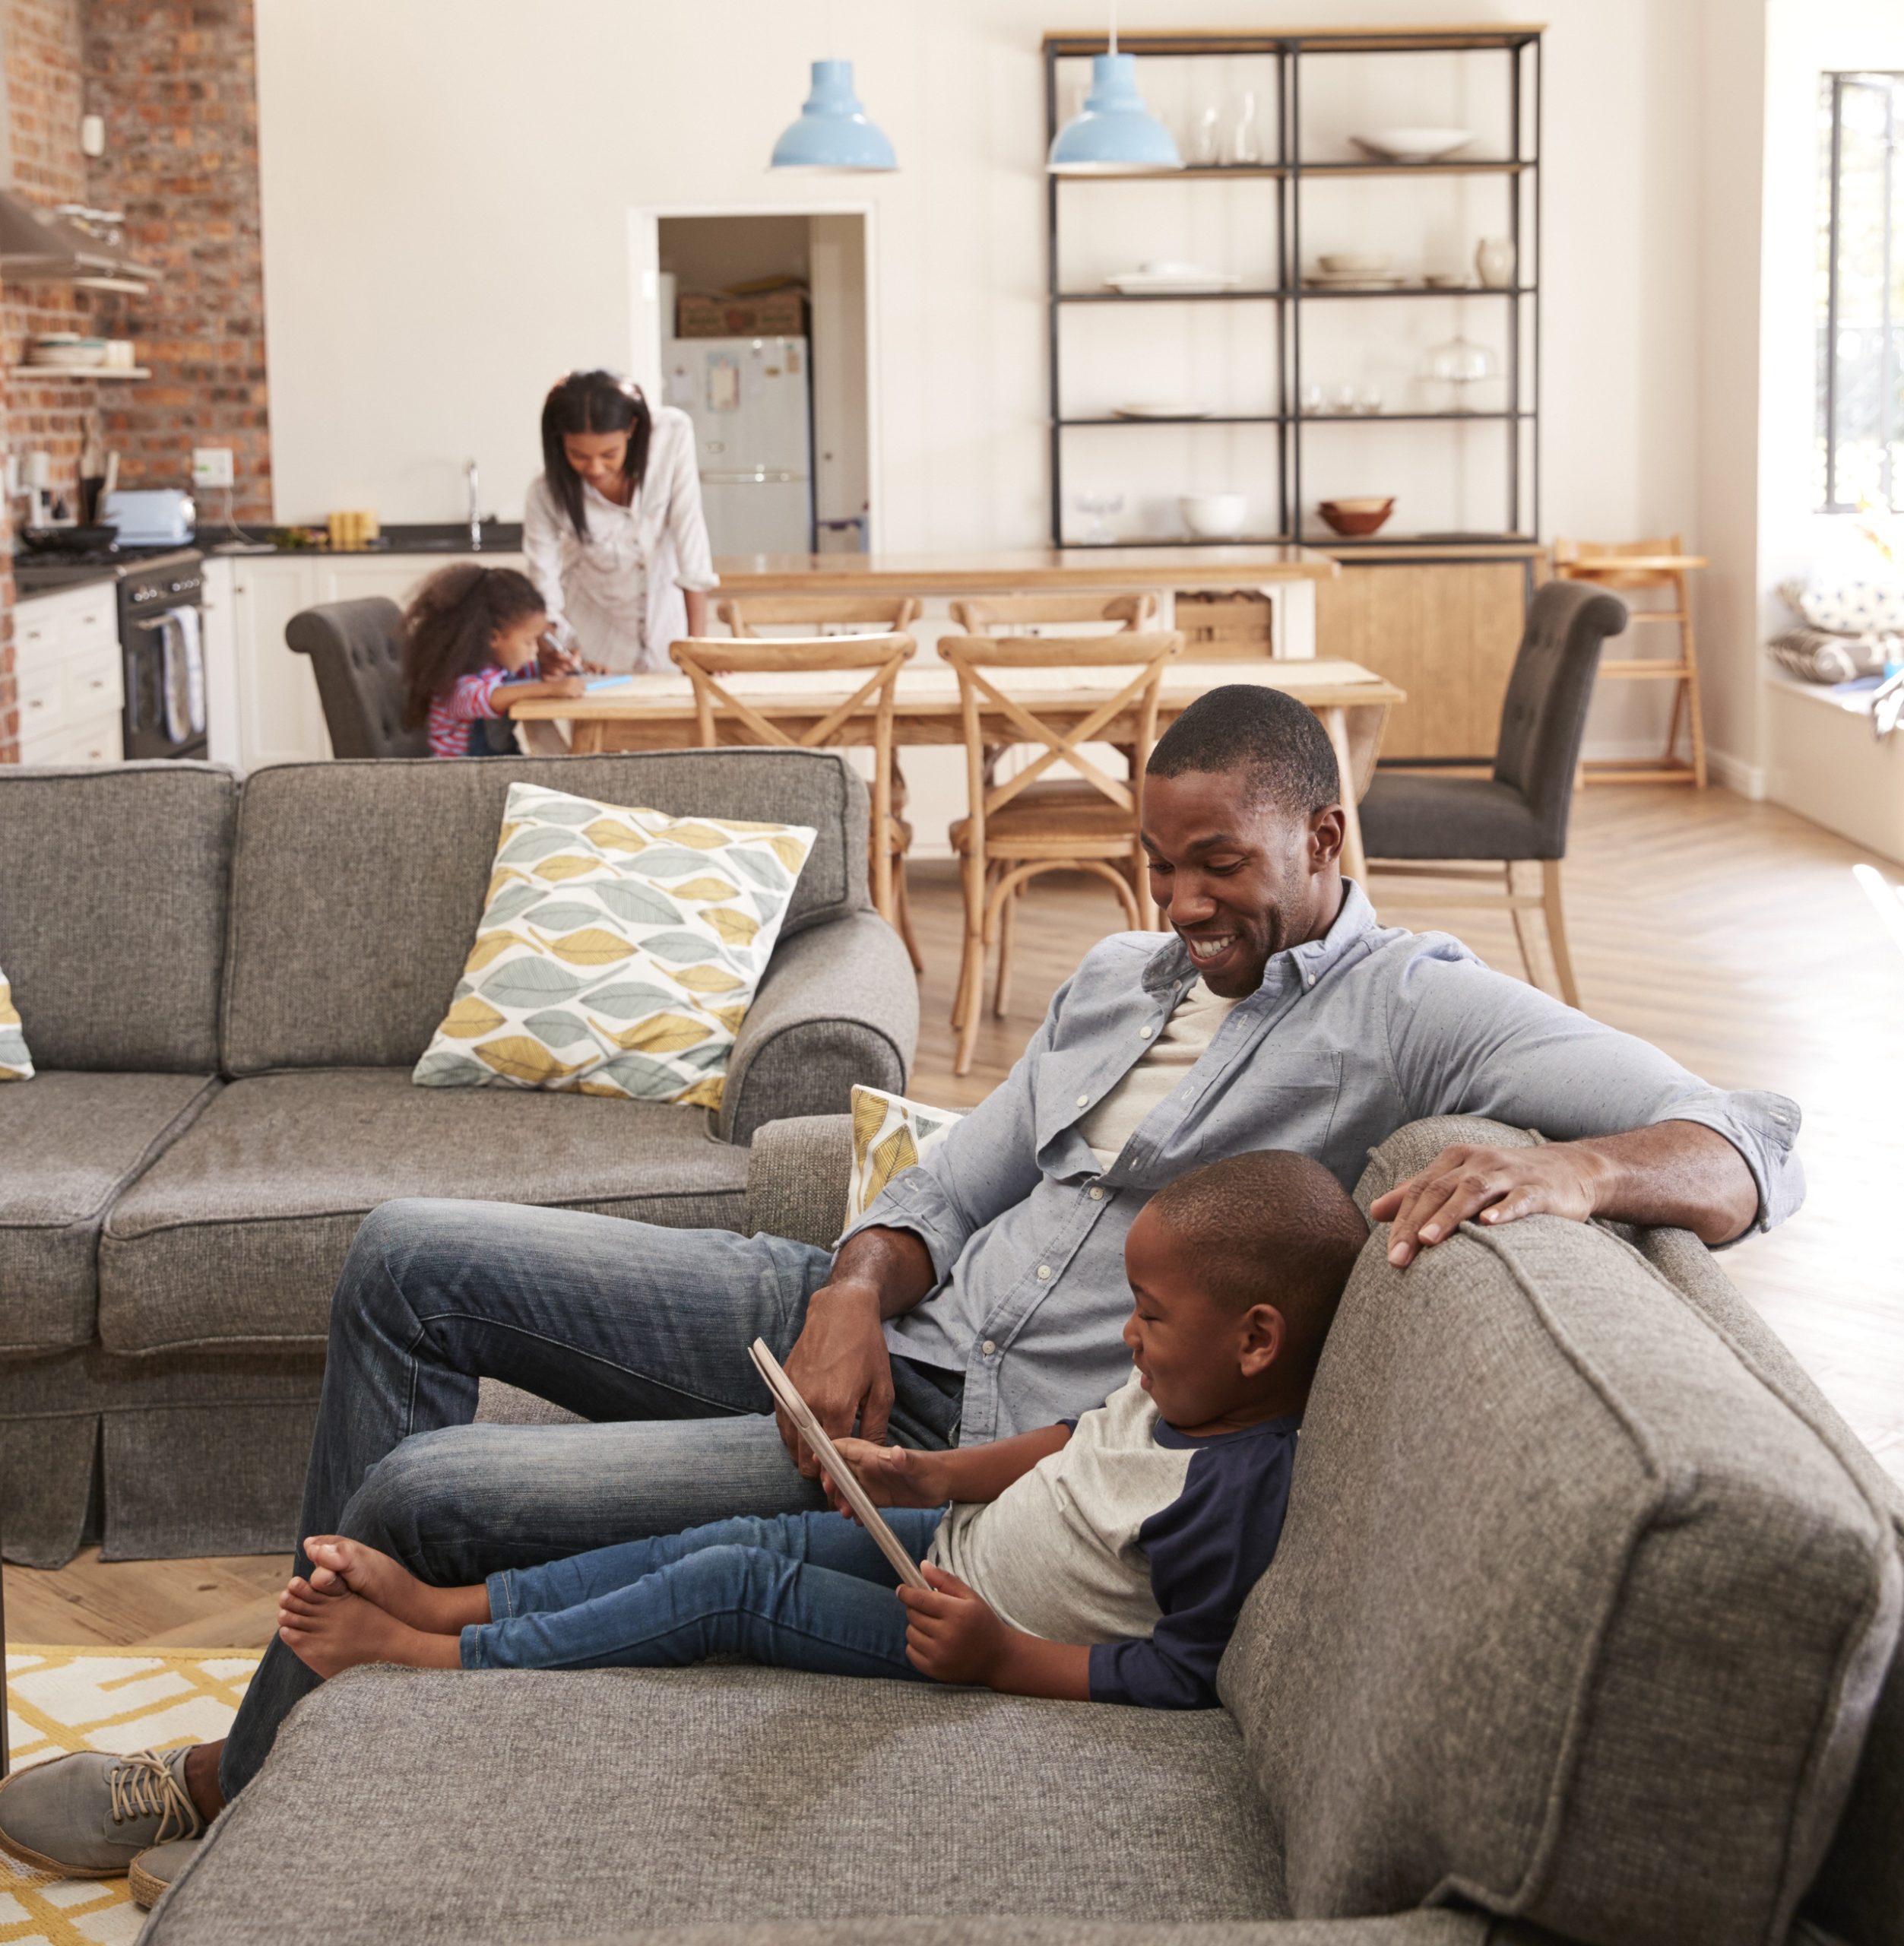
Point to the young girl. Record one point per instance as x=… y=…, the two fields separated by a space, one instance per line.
x=468 y=631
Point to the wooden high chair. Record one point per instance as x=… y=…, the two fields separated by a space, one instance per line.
x=1022 y=827
x=718 y=709
x=1624 y=565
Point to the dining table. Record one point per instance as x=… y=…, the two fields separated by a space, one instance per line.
x=654 y=710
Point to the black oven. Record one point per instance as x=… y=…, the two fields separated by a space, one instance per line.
x=161 y=637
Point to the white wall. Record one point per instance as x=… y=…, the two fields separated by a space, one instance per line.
x=446 y=185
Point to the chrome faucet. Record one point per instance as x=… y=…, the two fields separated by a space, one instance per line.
x=476 y=519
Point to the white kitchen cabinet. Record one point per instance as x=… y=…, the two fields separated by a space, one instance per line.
x=70 y=676
x=277 y=717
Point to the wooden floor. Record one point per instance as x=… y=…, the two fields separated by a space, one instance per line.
x=1731 y=934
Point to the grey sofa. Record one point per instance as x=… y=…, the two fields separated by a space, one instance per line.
x=224 y=987
x=1584 y=1627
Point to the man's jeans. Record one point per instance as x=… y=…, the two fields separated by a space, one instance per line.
x=796 y=1591
x=621 y=1322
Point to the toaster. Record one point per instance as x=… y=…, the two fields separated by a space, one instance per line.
x=154 y=517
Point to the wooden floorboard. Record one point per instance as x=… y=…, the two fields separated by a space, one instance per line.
x=1731 y=934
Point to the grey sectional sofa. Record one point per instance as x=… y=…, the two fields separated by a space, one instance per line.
x=1584 y=1627
x=224 y=986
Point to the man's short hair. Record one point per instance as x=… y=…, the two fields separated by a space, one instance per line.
x=1273 y=739
x=1268 y=1227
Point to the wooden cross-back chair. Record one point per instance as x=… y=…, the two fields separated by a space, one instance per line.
x=707 y=661
x=1028 y=824
x=1007 y=614
x=815 y=614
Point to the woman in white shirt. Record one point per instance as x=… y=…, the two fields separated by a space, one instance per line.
x=611 y=530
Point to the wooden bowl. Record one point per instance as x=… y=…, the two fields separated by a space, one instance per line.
x=1355 y=518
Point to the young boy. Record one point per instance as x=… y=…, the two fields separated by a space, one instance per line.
x=1104 y=1558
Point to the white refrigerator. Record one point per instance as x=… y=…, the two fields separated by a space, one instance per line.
x=750 y=399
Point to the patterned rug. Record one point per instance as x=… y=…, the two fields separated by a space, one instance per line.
x=104 y=1699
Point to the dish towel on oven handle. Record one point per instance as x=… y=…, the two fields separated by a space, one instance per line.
x=183 y=684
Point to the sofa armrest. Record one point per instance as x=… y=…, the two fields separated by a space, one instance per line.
x=839 y=1005
x=798 y=1173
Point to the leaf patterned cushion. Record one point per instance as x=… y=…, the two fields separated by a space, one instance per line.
x=889 y=1134
x=619 y=950
x=16 y=1064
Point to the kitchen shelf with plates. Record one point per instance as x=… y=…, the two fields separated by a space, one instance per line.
x=1325 y=218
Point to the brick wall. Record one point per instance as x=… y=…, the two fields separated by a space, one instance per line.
x=44 y=82
x=44 y=50
x=176 y=81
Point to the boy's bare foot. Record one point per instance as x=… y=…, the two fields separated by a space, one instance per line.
x=330 y=1633
x=338 y=1565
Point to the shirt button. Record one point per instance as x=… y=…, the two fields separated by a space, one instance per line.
x=1084 y=1100
x=1044 y=1272
x=988 y=1347
x=1312 y=979
x=1096 y=1194
x=1144 y=1033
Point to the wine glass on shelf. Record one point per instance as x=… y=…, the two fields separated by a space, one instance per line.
x=1459 y=366
x=1097 y=508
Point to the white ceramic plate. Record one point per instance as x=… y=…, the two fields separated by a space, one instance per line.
x=1175 y=282
x=1161 y=409
x=1413 y=144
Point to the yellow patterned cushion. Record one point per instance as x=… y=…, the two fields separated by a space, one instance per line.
x=16 y=1064
x=889 y=1135
x=618 y=951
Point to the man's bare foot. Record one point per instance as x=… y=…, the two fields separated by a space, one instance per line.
x=334 y=1632
x=339 y=1565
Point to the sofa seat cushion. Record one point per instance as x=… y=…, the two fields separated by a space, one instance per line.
x=70 y=1143
x=593 y=1798
x=1590 y=1609
x=237 y=1237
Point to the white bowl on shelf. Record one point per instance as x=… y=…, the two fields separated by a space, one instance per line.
x=1413 y=144
x=1214 y=516
x=1355 y=263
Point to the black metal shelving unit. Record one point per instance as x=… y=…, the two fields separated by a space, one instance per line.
x=1520 y=48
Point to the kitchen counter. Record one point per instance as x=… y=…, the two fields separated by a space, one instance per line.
x=499 y=536
x=32 y=577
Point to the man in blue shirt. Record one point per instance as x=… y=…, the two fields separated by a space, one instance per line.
x=983 y=1293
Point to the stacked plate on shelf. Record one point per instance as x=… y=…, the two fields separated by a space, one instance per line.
x=1359 y=270
x=66 y=351
x=1170 y=279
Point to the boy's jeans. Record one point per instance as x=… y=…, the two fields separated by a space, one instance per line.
x=642 y=1329
x=796 y=1591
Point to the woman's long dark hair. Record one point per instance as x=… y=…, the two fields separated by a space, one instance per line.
x=450 y=626
x=592 y=402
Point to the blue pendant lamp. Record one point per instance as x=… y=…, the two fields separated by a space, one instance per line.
x=832 y=132
x=1115 y=133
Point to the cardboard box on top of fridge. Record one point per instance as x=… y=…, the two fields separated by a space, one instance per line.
x=770 y=314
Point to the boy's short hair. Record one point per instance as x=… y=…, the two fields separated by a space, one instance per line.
x=1268 y=1227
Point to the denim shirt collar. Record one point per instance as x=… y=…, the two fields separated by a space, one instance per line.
x=1171 y=966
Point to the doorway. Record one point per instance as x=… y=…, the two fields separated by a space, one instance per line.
x=757 y=323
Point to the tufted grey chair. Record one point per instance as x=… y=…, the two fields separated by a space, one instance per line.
x=1520 y=813
x=355 y=649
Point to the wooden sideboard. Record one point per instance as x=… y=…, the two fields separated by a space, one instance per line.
x=1442 y=622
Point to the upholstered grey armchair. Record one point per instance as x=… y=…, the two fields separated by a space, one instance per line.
x=1520 y=813
x=356 y=652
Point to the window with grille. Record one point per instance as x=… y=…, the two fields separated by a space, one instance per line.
x=1860 y=459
